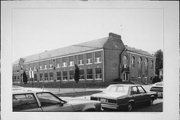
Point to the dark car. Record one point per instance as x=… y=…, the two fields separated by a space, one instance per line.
x=124 y=96
x=39 y=101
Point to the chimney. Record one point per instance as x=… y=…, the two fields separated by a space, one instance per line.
x=113 y=35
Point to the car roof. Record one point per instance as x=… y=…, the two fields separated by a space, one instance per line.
x=127 y=85
x=27 y=90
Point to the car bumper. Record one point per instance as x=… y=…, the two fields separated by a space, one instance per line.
x=110 y=106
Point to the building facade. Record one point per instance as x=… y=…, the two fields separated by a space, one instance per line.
x=102 y=60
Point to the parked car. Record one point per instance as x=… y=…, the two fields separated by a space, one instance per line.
x=158 y=88
x=40 y=101
x=124 y=96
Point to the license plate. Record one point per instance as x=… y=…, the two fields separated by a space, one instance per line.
x=103 y=100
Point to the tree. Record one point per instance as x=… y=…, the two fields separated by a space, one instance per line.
x=159 y=61
x=76 y=76
x=25 y=78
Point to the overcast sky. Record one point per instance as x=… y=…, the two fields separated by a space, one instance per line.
x=37 y=30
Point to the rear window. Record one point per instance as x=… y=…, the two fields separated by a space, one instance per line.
x=157 y=89
x=24 y=102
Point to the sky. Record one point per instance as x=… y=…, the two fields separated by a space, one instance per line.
x=40 y=29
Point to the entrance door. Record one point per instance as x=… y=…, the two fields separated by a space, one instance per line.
x=125 y=76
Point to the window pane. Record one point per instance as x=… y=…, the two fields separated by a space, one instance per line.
x=24 y=102
x=89 y=74
x=47 y=99
x=65 y=75
x=81 y=72
x=58 y=75
x=98 y=73
x=71 y=73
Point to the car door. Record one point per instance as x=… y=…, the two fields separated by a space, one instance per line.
x=135 y=94
x=25 y=102
x=144 y=97
x=51 y=103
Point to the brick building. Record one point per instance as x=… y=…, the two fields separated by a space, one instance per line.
x=102 y=60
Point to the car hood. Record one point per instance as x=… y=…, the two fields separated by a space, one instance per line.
x=110 y=95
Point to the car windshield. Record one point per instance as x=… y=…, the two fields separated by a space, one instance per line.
x=119 y=89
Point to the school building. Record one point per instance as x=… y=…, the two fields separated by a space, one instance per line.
x=102 y=60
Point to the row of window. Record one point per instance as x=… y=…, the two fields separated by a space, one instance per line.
x=52 y=64
x=140 y=62
x=63 y=75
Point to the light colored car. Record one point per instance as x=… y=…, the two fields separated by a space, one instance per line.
x=124 y=96
x=158 y=88
x=40 y=101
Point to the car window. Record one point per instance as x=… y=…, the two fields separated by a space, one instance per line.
x=47 y=99
x=141 y=90
x=119 y=89
x=24 y=101
x=134 y=90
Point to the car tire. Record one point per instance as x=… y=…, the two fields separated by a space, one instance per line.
x=129 y=107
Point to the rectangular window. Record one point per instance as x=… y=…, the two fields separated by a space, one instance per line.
x=89 y=74
x=24 y=102
x=41 y=76
x=98 y=73
x=80 y=60
x=45 y=67
x=65 y=77
x=51 y=75
x=40 y=67
x=64 y=62
x=89 y=58
x=58 y=66
x=98 y=57
x=71 y=61
x=35 y=77
x=59 y=75
x=50 y=66
x=45 y=76
x=81 y=72
x=71 y=73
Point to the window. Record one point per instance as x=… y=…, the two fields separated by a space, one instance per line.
x=40 y=67
x=134 y=90
x=81 y=73
x=71 y=61
x=65 y=77
x=141 y=90
x=24 y=102
x=58 y=66
x=45 y=76
x=71 y=74
x=50 y=66
x=139 y=67
x=89 y=58
x=146 y=66
x=64 y=62
x=51 y=75
x=97 y=57
x=48 y=99
x=133 y=61
x=35 y=77
x=41 y=76
x=152 y=64
x=98 y=73
x=89 y=74
x=59 y=75
x=125 y=61
x=80 y=60
x=45 y=67
x=34 y=68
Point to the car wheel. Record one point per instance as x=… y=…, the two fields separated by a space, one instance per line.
x=129 y=107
